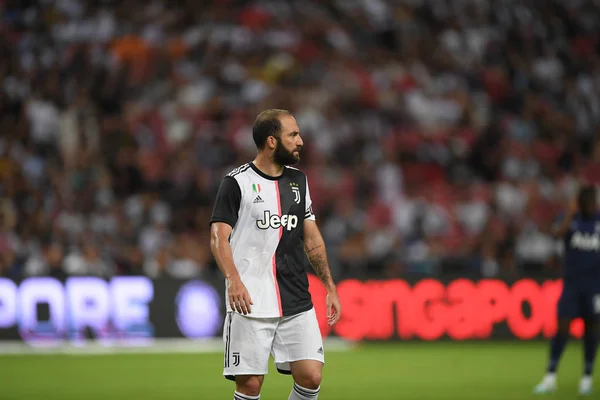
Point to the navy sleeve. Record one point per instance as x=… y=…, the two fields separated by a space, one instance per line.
x=227 y=203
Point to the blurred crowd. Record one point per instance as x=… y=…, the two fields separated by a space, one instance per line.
x=442 y=137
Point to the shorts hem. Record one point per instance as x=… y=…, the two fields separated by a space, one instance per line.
x=300 y=359
x=289 y=372
x=275 y=314
x=230 y=376
x=253 y=315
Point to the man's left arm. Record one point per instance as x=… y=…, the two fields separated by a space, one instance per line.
x=314 y=246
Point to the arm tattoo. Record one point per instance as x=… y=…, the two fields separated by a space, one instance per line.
x=313 y=249
x=319 y=264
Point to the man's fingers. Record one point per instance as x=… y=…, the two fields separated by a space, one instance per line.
x=236 y=303
x=247 y=298
x=334 y=320
x=241 y=303
x=334 y=314
x=331 y=315
x=247 y=303
x=243 y=307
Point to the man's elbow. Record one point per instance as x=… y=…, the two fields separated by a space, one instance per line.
x=215 y=239
x=307 y=244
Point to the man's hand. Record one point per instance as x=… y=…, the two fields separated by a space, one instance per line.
x=239 y=298
x=334 y=308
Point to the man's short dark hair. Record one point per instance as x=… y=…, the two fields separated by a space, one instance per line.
x=267 y=124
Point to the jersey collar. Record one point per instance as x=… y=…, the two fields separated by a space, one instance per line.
x=263 y=175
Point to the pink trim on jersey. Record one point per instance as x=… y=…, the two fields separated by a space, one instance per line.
x=275 y=255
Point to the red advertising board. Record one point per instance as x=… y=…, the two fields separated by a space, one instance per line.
x=430 y=310
x=43 y=309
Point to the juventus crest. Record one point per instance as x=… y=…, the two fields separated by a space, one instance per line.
x=296 y=191
x=296 y=194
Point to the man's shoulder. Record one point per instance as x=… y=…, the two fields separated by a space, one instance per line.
x=294 y=172
x=238 y=171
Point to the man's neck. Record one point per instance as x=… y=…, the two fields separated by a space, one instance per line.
x=267 y=166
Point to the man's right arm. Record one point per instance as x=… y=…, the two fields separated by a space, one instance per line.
x=224 y=218
x=221 y=250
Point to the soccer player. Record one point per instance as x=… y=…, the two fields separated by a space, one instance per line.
x=581 y=287
x=263 y=237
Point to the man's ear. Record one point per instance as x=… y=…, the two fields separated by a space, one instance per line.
x=271 y=142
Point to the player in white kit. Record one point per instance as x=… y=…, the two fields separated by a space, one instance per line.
x=263 y=237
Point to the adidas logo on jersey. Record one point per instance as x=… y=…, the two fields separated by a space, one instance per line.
x=258 y=199
x=320 y=351
x=275 y=221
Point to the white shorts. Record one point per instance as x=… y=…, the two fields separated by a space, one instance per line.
x=250 y=341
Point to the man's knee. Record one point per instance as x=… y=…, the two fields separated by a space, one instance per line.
x=249 y=384
x=310 y=379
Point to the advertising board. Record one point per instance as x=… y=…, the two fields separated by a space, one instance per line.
x=44 y=311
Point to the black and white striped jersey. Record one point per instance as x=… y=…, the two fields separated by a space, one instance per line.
x=267 y=216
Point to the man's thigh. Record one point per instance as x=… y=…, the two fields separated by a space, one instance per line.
x=298 y=338
x=248 y=343
x=570 y=302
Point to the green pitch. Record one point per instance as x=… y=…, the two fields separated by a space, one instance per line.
x=419 y=371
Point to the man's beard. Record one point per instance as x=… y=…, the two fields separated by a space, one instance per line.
x=284 y=157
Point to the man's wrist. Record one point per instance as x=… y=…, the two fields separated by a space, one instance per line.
x=232 y=276
x=330 y=288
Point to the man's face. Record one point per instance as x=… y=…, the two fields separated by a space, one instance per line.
x=289 y=142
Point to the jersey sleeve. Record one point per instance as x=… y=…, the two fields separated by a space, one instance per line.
x=227 y=203
x=309 y=214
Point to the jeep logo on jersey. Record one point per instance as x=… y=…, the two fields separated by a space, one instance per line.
x=585 y=241
x=275 y=221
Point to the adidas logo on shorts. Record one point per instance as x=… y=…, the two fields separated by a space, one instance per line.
x=258 y=200
x=320 y=351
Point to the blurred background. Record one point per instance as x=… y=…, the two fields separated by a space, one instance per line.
x=442 y=137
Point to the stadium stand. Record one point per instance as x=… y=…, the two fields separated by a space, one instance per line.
x=442 y=137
